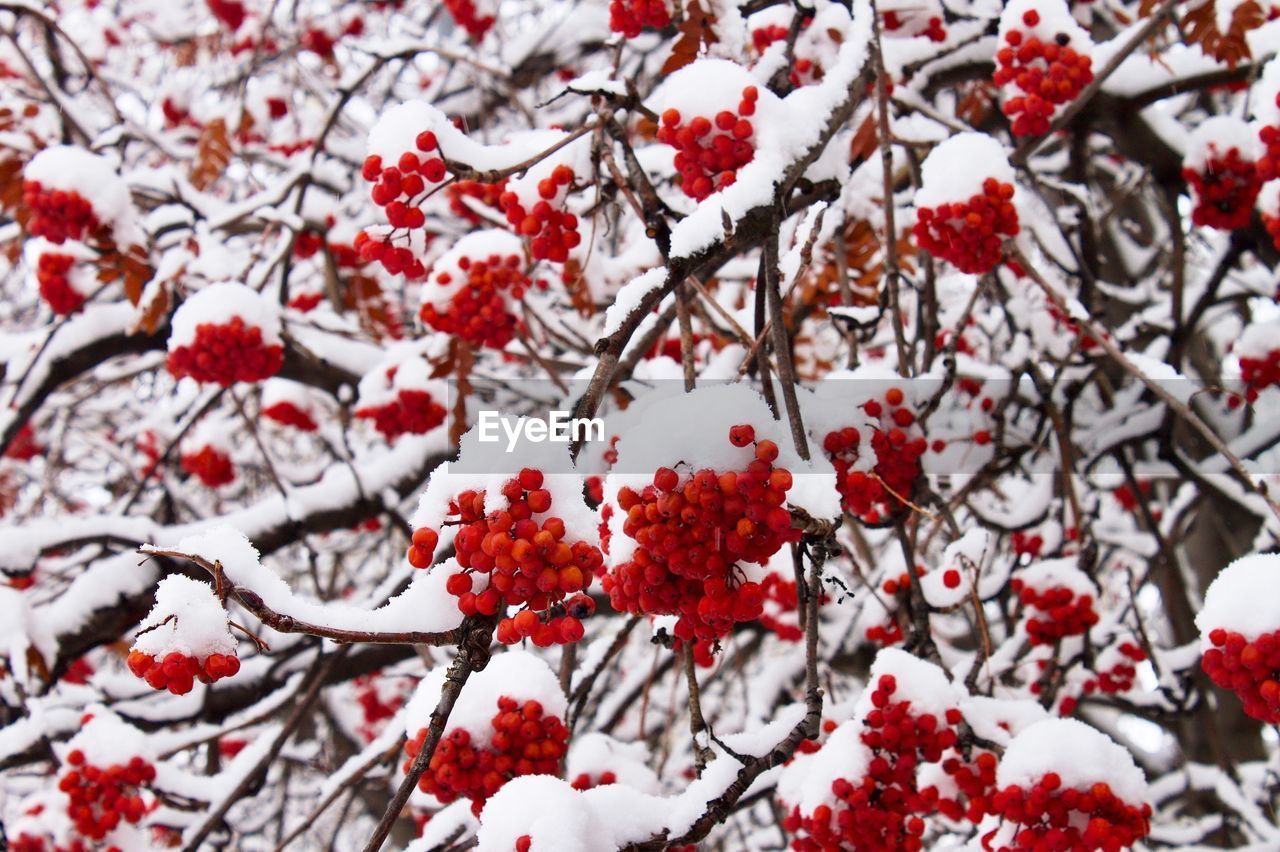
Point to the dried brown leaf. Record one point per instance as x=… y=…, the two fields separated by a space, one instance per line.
x=697 y=30
x=213 y=153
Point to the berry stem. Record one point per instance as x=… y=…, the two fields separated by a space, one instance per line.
x=472 y=656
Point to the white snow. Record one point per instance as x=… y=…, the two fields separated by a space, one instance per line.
x=424 y=606
x=631 y=296
x=955 y=170
x=187 y=618
x=965 y=556
x=1216 y=136
x=512 y=674
x=1244 y=598
x=93 y=176
x=1081 y=755
x=217 y=304
x=1051 y=573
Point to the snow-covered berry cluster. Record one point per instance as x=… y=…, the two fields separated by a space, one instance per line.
x=287 y=404
x=511 y=724
x=101 y=797
x=525 y=741
x=963 y=212
x=70 y=193
x=629 y=17
x=1240 y=634
x=525 y=559
x=186 y=637
x=551 y=229
x=879 y=492
x=692 y=529
x=401 y=399
x=1221 y=167
x=1064 y=785
x=875 y=800
x=1259 y=355
x=1043 y=62
x=225 y=333
x=709 y=151
x=210 y=464
x=473 y=289
x=1060 y=595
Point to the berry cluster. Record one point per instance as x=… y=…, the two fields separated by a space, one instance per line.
x=226 y=353
x=878 y=495
x=99 y=798
x=412 y=411
x=1052 y=818
x=178 y=672
x=466 y=15
x=478 y=311
x=885 y=809
x=1026 y=544
x=1249 y=668
x=975 y=785
x=629 y=17
x=1269 y=164
x=1119 y=677
x=210 y=465
x=55 y=285
x=488 y=194
x=551 y=230
x=969 y=234
x=709 y=153
x=585 y=781
x=399 y=189
x=374 y=706
x=525 y=741
x=803 y=69
x=57 y=215
x=288 y=414
x=24 y=446
x=889 y=633
x=1260 y=373
x=1047 y=73
x=229 y=12
x=528 y=564
x=1064 y=612
x=781 y=598
x=1272 y=225
x=691 y=534
x=1225 y=188
x=930 y=27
